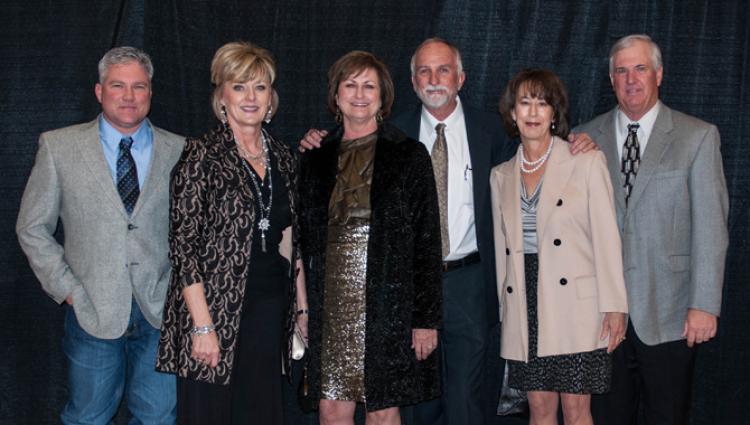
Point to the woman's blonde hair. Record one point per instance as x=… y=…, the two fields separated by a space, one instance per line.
x=241 y=61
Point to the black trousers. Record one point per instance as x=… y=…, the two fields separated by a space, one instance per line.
x=471 y=380
x=652 y=380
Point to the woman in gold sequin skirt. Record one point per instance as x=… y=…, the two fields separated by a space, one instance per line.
x=371 y=245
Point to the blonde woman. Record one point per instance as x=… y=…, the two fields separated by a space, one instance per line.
x=235 y=291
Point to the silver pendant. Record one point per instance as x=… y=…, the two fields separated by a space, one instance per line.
x=264 y=224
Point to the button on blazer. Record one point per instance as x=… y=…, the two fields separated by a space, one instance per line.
x=580 y=259
x=108 y=256
x=674 y=228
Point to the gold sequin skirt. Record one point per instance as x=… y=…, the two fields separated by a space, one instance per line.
x=343 y=320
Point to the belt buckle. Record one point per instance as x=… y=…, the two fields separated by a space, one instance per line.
x=452 y=265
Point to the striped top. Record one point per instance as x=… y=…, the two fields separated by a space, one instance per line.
x=528 y=217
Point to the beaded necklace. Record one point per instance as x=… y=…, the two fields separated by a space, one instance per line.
x=264 y=222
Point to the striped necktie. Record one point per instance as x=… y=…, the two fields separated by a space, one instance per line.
x=127 y=175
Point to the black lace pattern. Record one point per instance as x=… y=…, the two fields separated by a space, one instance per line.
x=211 y=222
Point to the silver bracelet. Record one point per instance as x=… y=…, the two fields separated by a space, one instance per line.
x=202 y=330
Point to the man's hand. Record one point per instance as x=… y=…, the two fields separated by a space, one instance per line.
x=424 y=342
x=580 y=143
x=700 y=327
x=312 y=139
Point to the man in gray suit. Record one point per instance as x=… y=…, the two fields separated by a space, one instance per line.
x=672 y=208
x=107 y=181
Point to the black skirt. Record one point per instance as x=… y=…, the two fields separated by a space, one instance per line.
x=577 y=373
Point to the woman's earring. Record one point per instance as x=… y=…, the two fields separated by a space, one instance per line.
x=224 y=119
x=339 y=116
x=554 y=127
x=269 y=114
x=379 y=117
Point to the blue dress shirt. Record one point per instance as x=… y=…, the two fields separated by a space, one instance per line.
x=143 y=142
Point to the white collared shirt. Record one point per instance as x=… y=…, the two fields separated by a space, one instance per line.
x=463 y=238
x=645 y=126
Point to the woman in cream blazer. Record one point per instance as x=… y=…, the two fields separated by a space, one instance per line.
x=558 y=256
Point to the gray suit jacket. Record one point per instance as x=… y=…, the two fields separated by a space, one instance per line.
x=108 y=257
x=674 y=229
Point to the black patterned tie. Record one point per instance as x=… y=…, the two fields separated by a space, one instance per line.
x=631 y=158
x=439 y=156
x=127 y=175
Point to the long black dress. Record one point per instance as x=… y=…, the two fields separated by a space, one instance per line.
x=255 y=393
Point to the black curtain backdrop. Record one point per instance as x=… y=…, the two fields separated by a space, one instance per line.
x=50 y=49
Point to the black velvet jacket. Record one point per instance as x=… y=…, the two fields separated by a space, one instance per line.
x=404 y=283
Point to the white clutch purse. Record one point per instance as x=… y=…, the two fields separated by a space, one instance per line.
x=298 y=344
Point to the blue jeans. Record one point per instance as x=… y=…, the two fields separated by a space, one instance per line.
x=101 y=370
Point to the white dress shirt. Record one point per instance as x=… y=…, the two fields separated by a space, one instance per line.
x=463 y=238
x=645 y=125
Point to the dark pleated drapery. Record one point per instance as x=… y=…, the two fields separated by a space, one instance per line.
x=50 y=50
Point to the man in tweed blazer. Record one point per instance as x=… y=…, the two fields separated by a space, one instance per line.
x=674 y=233
x=112 y=271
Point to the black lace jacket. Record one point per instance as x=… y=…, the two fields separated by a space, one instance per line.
x=210 y=227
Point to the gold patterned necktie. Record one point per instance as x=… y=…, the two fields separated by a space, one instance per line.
x=439 y=156
x=631 y=159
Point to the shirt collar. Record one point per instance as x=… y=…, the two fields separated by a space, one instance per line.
x=646 y=123
x=451 y=121
x=142 y=137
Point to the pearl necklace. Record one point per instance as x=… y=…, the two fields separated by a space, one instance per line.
x=534 y=165
x=264 y=223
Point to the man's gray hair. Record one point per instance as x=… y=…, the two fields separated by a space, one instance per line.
x=454 y=49
x=123 y=55
x=628 y=41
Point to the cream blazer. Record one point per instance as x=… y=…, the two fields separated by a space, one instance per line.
x=580 y=257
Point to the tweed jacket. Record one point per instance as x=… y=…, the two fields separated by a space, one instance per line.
x=108 y=257
x=404 y=280
x=674 y=228
x=209 y=242
x=580 y=259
